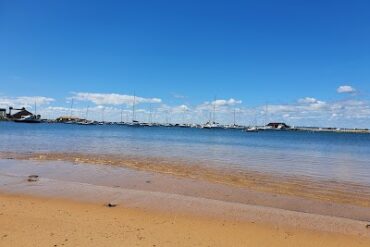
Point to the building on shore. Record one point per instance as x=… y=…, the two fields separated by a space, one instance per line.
x=66 y=119
x=15 y=114
x=2 y=113
x=278 y=126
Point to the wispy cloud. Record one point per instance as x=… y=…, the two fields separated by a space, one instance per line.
x=178 y=96
x=112 y=98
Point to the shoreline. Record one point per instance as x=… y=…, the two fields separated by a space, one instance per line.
x=163 y=193
x=305 y=187
x=86 y=123
x=14 y=175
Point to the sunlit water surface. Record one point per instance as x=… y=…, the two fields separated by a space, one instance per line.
x=329 y=156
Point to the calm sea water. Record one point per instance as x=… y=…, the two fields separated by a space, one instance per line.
x=332 y=156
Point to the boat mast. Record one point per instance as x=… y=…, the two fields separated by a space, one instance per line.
x=121 y=113
x=35 y=109
x=234 y=116
x=255 y=117
x=266 y=114
x=102 y=115
x=87 y=111
x=214 y=110
x=150 y=113
x=71 y=108
x=133 y=108
x=183 y=115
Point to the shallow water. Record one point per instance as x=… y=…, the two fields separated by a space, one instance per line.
x=101 y=184
x=328 y=156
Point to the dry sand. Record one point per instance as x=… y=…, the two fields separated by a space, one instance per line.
x=32 y=221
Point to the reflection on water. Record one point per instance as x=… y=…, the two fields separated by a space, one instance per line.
x=329 y=156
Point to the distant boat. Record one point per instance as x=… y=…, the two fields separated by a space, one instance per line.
x=134 y=123
x=29 y=119
x=86 y=122
x=251 y=129
x=212 y=125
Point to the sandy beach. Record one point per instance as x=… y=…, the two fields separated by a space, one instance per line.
x=32 y=221
x=65 y=204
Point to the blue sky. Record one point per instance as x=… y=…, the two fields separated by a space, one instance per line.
x=186 y=53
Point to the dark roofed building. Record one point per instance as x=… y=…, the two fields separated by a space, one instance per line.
x=21 y=113
x=278 y=125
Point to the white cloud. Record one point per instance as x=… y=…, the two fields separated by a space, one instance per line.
x=309 y=103
x=223 y=102
x=303 y=112
x=346 y=89
x=307 y=100
x=318 y=105
x=113 y=99
x=95 y=113
x=221 y=105
x=173 y=109
x=25 y=101
x=180 y=109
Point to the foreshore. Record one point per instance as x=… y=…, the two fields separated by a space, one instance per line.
x=304 y=187
x=31 y=221
x=67 y=205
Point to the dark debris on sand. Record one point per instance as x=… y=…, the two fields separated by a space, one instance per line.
x=33 y=178
x=111 y=205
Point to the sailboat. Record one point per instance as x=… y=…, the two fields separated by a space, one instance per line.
x=253 y=128
x=85 y=121
x=121 y=123
x=134 y=122
x=29 y=119
x=212 y=124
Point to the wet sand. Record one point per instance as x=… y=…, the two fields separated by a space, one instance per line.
x=303 y=187
x=31 y=221
x=67 y=179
